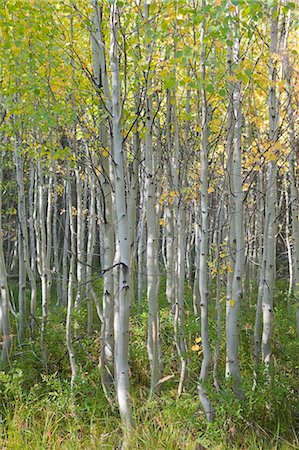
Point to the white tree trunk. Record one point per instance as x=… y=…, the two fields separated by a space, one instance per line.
x=271 y=200
x=153 y=342
x=71 y=278
x=80 y=238
x=122 y=288
x=65 y=252
x=106 y=207
x=23 y=224
x=233 y=303
x=204 y=234
x=55 y=225
x=294 y=191
x=4 y=306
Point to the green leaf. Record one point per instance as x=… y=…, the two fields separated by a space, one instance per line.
x=169 y=82
x=210 y=88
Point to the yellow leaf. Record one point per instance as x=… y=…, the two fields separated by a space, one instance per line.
x=173 y=194
x=198 y=340
x=195 y=348
x=281 y=84
x=232 y=303
x=232 y=78
x=210 y=190
x=16 y=50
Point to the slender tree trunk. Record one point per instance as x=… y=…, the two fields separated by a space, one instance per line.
x=122 y=288
x=24 y=249
x=80 y=238
x=90 y=252
x=65 y=252
x=204 y=234
x=42 y=255
x=32 y=270
x=71 y=279
x=271 y=201
x=233 y=305
x=294 y=191
x=22 y=287
x=153 y=342
x=55 y=225
x=106 y=209
x=5 y=327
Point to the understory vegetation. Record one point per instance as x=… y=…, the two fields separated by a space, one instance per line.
x=39 y=409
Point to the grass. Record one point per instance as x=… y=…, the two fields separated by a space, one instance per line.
x=38 y=410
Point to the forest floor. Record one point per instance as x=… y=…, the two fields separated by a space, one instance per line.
x=39 y=411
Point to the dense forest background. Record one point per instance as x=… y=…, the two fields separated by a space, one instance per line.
x=149 y=232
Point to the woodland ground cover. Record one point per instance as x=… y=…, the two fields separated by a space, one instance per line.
x=39 y=410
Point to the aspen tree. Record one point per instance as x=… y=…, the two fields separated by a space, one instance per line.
x=24 y=245
x=233 y=303
x=122 y=257
x=31 y=232
x=5 y=327
x=106 y=204
x=90 y=251
x=55 y=224
x=271 y=198
x=22 y=287
x=204 y=230
x=152 y=233
x=65 y=250
x=294 y=191
x=261 y=277
x=140 y=244
x=42 y=253
x=196 y=296
x=179 y=245
x=71 y=278
x=218 y=292
x=170 y=261
x=80 y=237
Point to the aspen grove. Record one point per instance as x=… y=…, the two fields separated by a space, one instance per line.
x=149 y=224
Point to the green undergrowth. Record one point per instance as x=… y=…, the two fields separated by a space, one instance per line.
x=39 y=411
